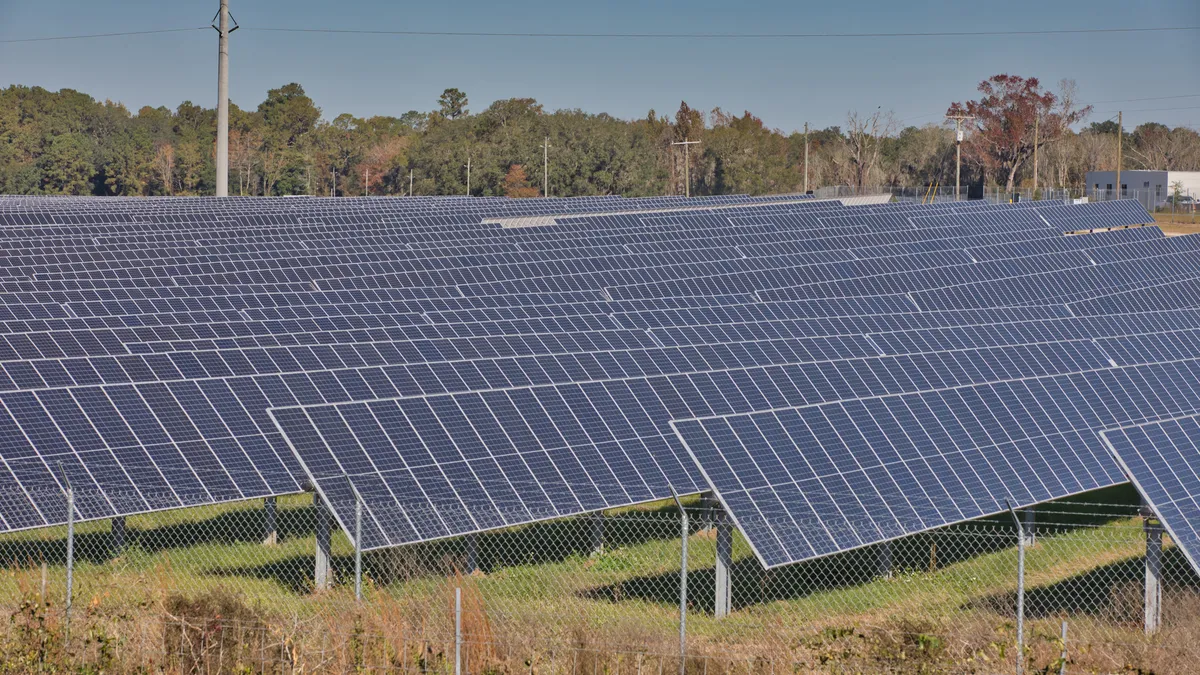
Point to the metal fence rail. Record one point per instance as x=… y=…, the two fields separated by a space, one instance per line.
x=254 y=587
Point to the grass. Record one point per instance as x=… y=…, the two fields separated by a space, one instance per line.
x=1178 y=223
x=541 y=592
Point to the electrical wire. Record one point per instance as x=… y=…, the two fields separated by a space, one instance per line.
x=720 y=36
x=103 y=35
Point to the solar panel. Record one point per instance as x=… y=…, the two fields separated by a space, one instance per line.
x=144 y=340
x=1162 y=459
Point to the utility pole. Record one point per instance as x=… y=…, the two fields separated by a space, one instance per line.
x=806 y=158
x=410 y=182
x=366 y=182
x=687 y=164
x=1120 y=134
x=546 y=167
x=333 y=187
x=958 y=139
x=468 y=175
x=222 y=28
x=1036 y=120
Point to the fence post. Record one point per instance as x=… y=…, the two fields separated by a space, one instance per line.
x=1153 y=605
x=358 y=507
x=1030 y=526
x=1062 y=659
x=118 y=535
x=270 y=522
x=683 y=589
x=321 y=567
x=70 y=562
x=723 y=568
x=1020 y=591
x=457 y=631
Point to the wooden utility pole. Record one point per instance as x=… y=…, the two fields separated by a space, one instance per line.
x=958 y=139
x=806 y=158
x=468 y=176
x=1036 y=120
x=687 y=164
x=1120 y=134
x=546 y=167
x=410 y=181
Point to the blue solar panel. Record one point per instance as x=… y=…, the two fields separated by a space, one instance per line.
x=1162 y=459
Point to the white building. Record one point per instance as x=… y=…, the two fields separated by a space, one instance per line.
x=1151 y=188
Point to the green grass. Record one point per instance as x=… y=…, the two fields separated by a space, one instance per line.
x=544 y=574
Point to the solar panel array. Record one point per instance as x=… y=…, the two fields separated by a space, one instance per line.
x=836 y=375
x=1162 y=458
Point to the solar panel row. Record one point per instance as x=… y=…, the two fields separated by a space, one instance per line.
x=463 y=375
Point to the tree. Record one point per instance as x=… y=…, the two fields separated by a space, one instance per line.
x=1005 y=117
x=452 y=104
x=864 y=143
x=164 y=166
x=67 y=167
x=1105 y=127
x=288 y=113
x=516 y=185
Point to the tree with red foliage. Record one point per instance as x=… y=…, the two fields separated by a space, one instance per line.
x=1005 y=116
x=517 y=185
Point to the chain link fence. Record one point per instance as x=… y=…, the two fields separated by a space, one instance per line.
x=254 y=587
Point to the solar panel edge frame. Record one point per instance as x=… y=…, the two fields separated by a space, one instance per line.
x=1193 y=558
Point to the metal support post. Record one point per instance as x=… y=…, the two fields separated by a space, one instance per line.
x=118 y=535
x=1062 y=658
x=321 y=569
x=685 y=529
x=270 y=522
x=597 y=526
x=1030 y=528
x=70 y=561
x=723 y=569
x=883 y=560
x=458 y=631
x=472 y=554
x=1020 y=592
x=358 y=516
x=1154 y=547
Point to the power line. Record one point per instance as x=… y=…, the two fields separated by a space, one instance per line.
x=698 y=36
x=721 y=36
x=1190 y=107
x=103 y=35
x=1152 y=98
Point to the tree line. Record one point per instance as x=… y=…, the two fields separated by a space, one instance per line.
x=66 y=142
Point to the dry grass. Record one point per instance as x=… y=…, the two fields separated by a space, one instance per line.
x=543 y=604
x=1178 y=223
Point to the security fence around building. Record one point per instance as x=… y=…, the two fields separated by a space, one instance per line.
x=276 y=587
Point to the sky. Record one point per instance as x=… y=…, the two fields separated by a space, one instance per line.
x=786 y=82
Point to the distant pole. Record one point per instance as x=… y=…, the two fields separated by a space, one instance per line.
x=806 y=158
x=223 y=101
x=468 y=176
x=1036 y=120
x=1120 y=134
x=410 y=181
x=366 y=182
x=546 y=167
x=687 y=164
x=958 y=139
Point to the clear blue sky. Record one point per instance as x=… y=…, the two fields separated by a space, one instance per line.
x=784 y=81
